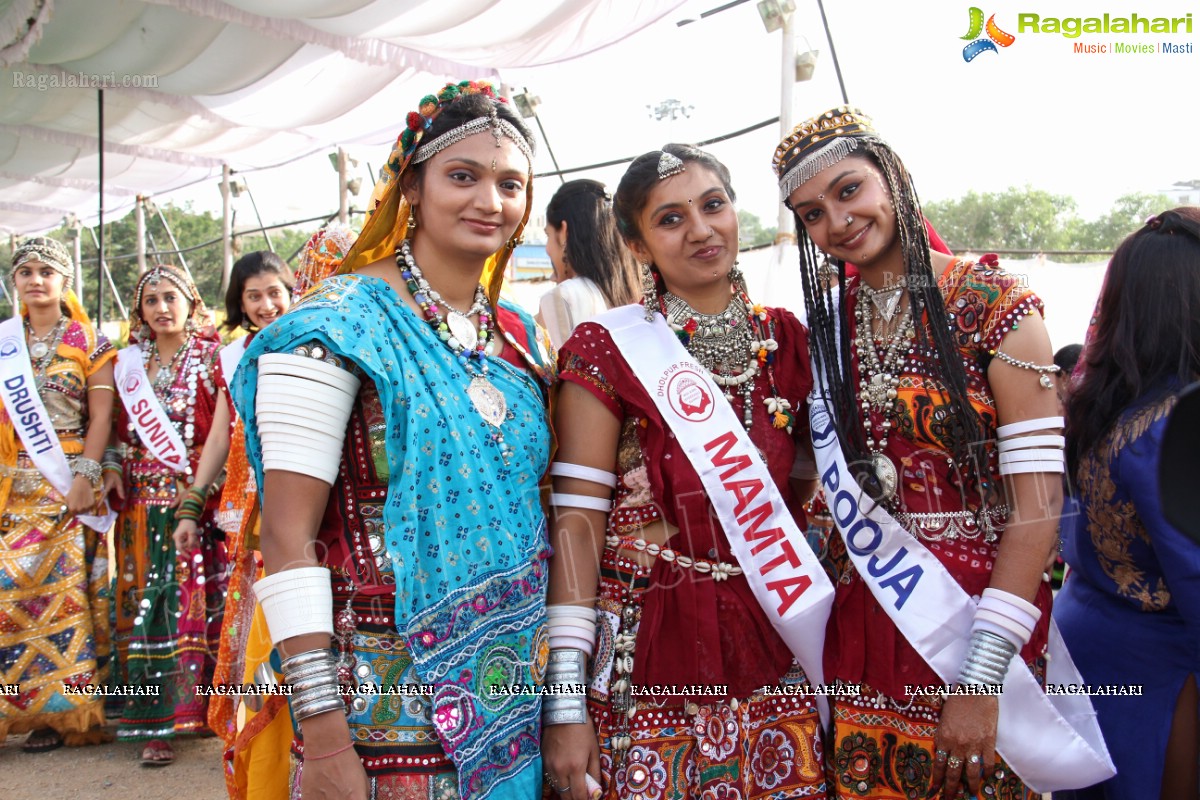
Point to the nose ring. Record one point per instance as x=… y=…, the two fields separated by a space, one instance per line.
x=849 y=219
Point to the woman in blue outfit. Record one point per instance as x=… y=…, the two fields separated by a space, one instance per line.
x=396 y=418
x=1130 y=609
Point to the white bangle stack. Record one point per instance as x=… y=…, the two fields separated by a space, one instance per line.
x=566 y=677
x=296 y=602
x=572 y=626
x=563 y=469
x=302 y=408
x=1020 y=453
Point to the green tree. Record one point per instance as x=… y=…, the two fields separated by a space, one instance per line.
x=1015 y=219
x=751 y=232
x=1128 y=213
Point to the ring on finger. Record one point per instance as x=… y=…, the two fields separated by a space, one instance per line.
x=941 y=754
x=974 y=760
x=954 y=763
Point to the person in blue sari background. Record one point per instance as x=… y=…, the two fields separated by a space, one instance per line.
x=1130 y=609
x=397 y=422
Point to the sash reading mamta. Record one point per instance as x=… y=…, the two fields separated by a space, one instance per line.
x=777 y=563
x=789 y=587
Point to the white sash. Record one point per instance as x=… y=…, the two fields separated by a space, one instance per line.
x=785 y=576
x=32 y=422
x=1051 y=744
x=231 y=357
x=154 y=427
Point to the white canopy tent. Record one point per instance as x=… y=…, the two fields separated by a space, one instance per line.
x=191 y=86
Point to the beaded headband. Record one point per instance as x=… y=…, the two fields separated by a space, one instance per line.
x=155 y=276
x=818 y=144
x=669 y=164
x=50 y=252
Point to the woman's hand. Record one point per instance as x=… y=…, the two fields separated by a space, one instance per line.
x=80 y=497
x=569 y=753
x=967 y=728
x=187 y=537
x=112 y=482
x=338 y=777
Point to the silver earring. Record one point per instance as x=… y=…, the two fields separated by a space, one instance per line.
x=849 y=219
x=649 y=291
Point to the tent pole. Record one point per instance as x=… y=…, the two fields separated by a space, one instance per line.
x=100 y=243
x=139 y=215
x=343 y=209
x=226 y=230
x=785 y=231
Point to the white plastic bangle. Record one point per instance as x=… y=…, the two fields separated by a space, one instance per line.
x=1032 y=466
x=1013 y=600
x=312 y=369
x=560 y=500
x=558 y=610
x=1032 y=454
x=320 y=457
x=1018 y=617
x=563 y=469
x=1002 y=626
x=1028 y=426
x=1022 y=442
x=296 y=602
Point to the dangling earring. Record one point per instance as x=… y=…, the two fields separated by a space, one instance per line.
x=649 y=290
x=412 y=222
x=738 y=279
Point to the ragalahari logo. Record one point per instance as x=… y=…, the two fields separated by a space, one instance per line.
x=994 y=37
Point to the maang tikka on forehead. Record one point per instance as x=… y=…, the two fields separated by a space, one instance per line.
x=668 y=165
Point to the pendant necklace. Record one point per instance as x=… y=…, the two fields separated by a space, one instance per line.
x=879 y=380
x=42 y=349
x=468 y=343
x=733 y=346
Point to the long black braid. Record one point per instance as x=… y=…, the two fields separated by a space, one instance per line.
x=965 y=430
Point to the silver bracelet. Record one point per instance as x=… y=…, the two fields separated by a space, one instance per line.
x=314 y=681
x=567 y=667
x=88 y=468
x=987 y=661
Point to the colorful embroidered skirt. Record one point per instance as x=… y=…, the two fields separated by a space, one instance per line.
x=390 y=720
x=764 y=746
x=168 y=618
x=54 y=631
x=884 y=751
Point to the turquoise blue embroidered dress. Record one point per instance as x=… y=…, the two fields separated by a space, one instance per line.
x=426 y=510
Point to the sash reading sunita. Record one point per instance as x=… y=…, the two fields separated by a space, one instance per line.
x=1052 y=743
x=31 y=420
x=154 y=427
x=781 y=569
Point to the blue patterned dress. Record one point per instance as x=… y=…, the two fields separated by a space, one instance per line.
x=436 y=543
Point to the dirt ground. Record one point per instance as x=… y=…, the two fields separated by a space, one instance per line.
x=111 y=771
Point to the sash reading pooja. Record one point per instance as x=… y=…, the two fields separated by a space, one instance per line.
x=1052 y=745
x=782 y=571
x=148 y=416
x=32 y=422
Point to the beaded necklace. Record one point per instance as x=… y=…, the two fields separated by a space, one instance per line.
x=43 y=348
x=469 y=345
x=879 y=374
x=717 y=341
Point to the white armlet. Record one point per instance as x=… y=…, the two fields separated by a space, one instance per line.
x=302 y=408
x=560 y=500
x=566 y=469
x=296 y=602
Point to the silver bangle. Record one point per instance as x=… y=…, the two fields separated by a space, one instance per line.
x=307 y=657
x=88 y=468
x=567 y=667
x=988 y=659
x=334 y=704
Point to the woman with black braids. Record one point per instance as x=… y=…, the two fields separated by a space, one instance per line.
x=937 y=438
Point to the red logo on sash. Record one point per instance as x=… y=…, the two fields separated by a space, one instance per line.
x=688 y=396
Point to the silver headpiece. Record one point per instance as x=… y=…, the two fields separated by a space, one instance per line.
x=50 y=252
x=500 y=129
x=669 y=165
